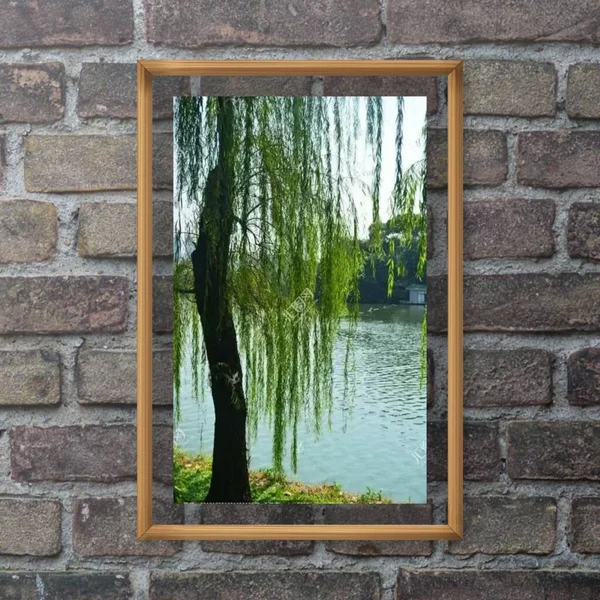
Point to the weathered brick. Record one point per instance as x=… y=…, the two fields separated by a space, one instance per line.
x=520 y=377
x=583 y=377
x=2 y=159
x=430 y=234
x=485 y=157
x=110 y=90
x=87 y=163
x=257 y=514
x=498 y=525
x=63 y=304
x=32 y=93
x=109 y=229
x=380 y=514
x=553 y=450
x=65 y=23
x=264 y=585
x=558 y=159
x=414 y=22
x=585 y=525
x=526 y=229
x=521 y=302
x=192 y=24
x=107 y=527
x=84 y=453
x=486 y=584
x=384 y=86
x=256 y=86
x=583 y=230
x=583 y=83
x=430 y=377
x=162 y=304
x=162 y=453
x=30 y=527
x=27 y=230
x=57 y=585
x=506 y=87
x=103 y=453
x=29 y=377
x=97 y=366
x=481 y=451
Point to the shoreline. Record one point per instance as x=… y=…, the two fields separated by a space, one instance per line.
x=191 y=480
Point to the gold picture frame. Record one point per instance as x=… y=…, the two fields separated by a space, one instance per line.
x=146 y=529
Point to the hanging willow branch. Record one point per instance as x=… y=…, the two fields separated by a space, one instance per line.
x=294 y=257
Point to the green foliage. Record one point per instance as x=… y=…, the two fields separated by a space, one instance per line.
x=191 y=477
x=294 y=257
x=371 y=497
x=191 y=481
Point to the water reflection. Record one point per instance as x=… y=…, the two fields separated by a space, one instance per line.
x=377 y=440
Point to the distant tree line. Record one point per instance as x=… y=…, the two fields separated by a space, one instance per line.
x=373 y=284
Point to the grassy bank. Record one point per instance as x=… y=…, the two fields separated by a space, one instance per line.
x=191 y=480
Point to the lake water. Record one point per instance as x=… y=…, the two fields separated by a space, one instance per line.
x=380 y=442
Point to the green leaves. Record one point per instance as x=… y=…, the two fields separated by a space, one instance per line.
x=294 y=257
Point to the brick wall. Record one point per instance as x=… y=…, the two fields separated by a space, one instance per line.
x=67 y=298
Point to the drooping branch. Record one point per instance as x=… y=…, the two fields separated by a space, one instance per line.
x=292 y=203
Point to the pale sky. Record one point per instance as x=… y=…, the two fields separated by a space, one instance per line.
x=412 y=150
x=415 y=108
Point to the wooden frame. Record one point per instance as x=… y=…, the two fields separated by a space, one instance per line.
x=146 y=529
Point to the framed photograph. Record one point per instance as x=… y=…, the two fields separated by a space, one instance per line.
x=300 y=359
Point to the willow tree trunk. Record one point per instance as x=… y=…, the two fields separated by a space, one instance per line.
x=210 y=261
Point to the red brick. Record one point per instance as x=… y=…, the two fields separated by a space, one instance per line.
x=504 y=584
x=521 y=377
x=63 y=304
x=2 y=160
x=107 y=527
x=95 y=367
x=583 y=83
x=100 y=453
x=32 y=93
x=258 y=514
x=29 y=377
x=59 y=585
x=192 y=24
x=558 y=159
x=47 y=23
x=583 y=377
x=70 y=163
x=110 y=90
x=379 y=514
x=522 y=302
x=499 y=525
x=583 y=230
x=481 y=451
x=553 y=450
x=506 y=87
x=470 y=21
x=485 y=158
x=109 y=229
x=30 y=527
x=162 y=304
x=430 y=234
x=28 y=230
x=585 y=525
x=256 y=86
x=265 y=585
x=526 y=231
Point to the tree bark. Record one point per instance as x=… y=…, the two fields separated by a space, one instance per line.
x=210 y=261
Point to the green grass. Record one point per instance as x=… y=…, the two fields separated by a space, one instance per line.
x=191 y=480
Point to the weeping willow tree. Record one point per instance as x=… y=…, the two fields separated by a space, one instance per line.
x=267 y=255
